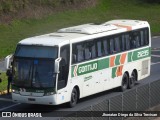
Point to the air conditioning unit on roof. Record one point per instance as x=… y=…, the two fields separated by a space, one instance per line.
x=88 y=29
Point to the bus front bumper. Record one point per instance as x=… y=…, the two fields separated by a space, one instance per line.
x=44 y=100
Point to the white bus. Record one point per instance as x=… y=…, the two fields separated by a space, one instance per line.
x=79 y=61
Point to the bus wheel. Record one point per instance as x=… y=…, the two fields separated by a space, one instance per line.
x=124 y=84
x=132 y=80
x=74 y=98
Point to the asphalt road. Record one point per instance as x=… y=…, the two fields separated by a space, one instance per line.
x=7 y=105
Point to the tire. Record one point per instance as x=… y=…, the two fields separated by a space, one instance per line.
x=124 y=83
x=132 y=80
x=74 y=98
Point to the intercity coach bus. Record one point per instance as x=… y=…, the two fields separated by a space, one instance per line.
x=79 y=61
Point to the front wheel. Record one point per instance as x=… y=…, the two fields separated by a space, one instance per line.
x=124 y=83
x=74 y=98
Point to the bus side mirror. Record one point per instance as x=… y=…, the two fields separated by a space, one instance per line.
x=56 y=66
x=8 y=61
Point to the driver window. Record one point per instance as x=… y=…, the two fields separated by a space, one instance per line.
x=64 y=66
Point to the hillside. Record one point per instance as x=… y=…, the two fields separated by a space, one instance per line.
x=22 y=9
x=39 y=18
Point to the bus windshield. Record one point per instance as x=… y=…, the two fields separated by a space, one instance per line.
x=36 y=51
x=34 y=67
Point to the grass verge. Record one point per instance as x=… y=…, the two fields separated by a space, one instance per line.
x=104 y=10
x=3 y=84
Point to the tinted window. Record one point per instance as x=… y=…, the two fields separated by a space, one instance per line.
x=137 y=38
x=36 y=51
x=64 y=66
x=146 y=37
x=105 y=47
x=93 y=49
x=133 y=40
x=117 y=44
x=99 y=48
x=87 y=51
x=83 y=51
x=142 y=37
x=80 y=53
x=111 y=46
x=127 y=39
x=123 y=43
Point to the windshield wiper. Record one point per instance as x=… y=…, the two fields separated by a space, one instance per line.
x=36 y=77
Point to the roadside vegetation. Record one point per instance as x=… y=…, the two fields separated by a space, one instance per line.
x=3 y=84
x=39 y=17
x=25 y=9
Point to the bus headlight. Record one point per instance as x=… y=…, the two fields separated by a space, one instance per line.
x=48 y=93
x=15 y=91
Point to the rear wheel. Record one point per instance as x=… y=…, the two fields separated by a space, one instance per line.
x=74 y=98
x=124 y=83
x=132 y=80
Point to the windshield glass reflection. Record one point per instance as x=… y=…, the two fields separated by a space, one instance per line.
x=34 y=73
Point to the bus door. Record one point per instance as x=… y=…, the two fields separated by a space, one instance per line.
x=62 y=91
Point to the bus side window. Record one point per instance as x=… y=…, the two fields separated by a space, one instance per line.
x=111 y=45
x=135 y=40
x=127 y=41
x=74 y=54
x=138 y=39
x=87 y=51
x=132 y=41
x=142 y=37
x=123 y=42
x=117 y=44
x=93 y=49
x=146 y=38
x=99 y=48
x=64 y=66
x=80 y=53
x=105 y=46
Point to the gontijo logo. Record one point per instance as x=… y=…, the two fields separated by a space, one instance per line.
x=84 y=68
x=87 y=68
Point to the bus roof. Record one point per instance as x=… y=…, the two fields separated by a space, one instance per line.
x=80 y=32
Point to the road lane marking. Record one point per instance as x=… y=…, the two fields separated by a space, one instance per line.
x=154 y=50
x=5 y=99
x=155 y=55
x=156 y=37
x=155 y=63
x=2 y=109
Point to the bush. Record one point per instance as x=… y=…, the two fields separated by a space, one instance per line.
x=7 y=6
x=152 y=1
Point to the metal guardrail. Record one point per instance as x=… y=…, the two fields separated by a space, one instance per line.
x=137 y=99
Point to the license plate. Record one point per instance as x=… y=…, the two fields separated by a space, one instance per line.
x=31 y=99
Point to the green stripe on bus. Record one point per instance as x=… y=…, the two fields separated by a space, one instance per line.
x=117 y=61
x=103 y=63
x=139 y=54
x=129 y=56
x=114 y=69
x=72 y=71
